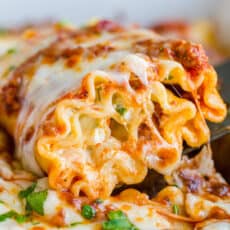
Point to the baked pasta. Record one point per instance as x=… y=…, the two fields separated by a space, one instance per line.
x=96 y=107
x=196 y=197
x=93 y=109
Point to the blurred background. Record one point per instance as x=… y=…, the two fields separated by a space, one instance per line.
x=78 y=11
x=203 y=21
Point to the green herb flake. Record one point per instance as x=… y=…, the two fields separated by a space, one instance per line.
x=35 y=201
x=7 y=215
x=170 y=77
x=28 y=208
x=2 y=202
x=118 y=214
x=27 y=191
x=75 y=224
x=8 y=70
x=118 y=221
x=21 y=218
x=64 y=23
x=88 y=211
x=11 y=51
x=11 y=68
x=98 y=201
x=175 y=185
x=14 y=215
x=175 y=209
x=116 y=225
x=121 y=110
x=35 y=223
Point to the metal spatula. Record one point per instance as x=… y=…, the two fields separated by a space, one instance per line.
x=220 y=129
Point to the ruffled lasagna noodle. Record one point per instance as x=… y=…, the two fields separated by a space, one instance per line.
x=96 y=107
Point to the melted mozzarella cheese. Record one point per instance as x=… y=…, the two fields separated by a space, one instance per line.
x=143 y=216
x=138 y=66
x=200 y=208
x=219 y=225
x=51 y=82
x=6 y=44
x=22 y=51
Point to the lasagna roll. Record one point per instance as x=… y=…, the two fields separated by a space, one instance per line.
x=98 y=106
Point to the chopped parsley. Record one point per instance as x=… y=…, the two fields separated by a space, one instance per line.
x=121 y=110
x=88 y=211
x=21 y=218
x=170 y=77
x=75 y=224
x=27 y=191
x=2 y=202
x=117 y=220
x=13 y=215
x=35 y=222
x=175 y=209
x=64 y=23
x=12 y=67
x=99 y=201
x=7 y=215
x=175 y=185
x=11 y=51
x=118 y=214
x=35 y=201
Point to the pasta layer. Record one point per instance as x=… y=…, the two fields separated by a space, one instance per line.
x=100 y=105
